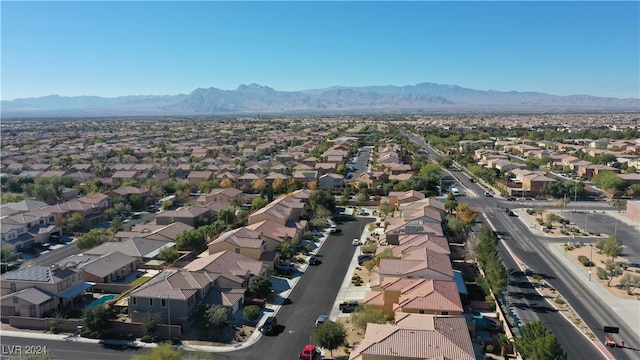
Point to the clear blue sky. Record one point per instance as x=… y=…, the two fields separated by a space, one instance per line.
x=155 y=48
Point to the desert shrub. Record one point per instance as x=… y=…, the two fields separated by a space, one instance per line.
x=146 y=339
x=602 y=273
x=584 y=260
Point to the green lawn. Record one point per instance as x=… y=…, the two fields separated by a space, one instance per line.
x=141 y=280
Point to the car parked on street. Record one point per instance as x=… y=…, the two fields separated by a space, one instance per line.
x=269 y=326
x=310 y=352
x=364 y=257
x=355 y=242
x=321 y=320
x=313 y=260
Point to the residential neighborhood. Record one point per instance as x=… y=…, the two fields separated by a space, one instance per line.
x=178 y=222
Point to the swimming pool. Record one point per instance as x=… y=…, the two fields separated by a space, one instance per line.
x=103 y=299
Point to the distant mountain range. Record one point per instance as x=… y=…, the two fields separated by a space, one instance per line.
x=257 y=99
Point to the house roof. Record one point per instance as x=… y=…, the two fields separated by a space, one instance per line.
x=228 y=264
x=135 y=247
x=411 y=242
x=429 y=294
x=273 y=230
x=188 y=212
x=31 y=295
x=106 y=264
x=417 y=337
x=241 y=237
x=178 y=284
x=169 y=232
x=421 y=259
x=23 y=205
x=129 y=190
x=224 y=296
x=40 y=274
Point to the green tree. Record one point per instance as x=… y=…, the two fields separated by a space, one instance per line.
x=285 y=250
x=166 y=351
x=630 y=282
x=116 y=225
x=345 y=197
x=169 y=254
x=251 y=312
x=258 y=203
x=150 y=323
x=362 y=196
x=7 y=254
x=136 y=201
x=72 y=223
x=191 y=239
x=322 y=212
x=452 y=203
x=621 y=205
x=386 y=208
x=227 y=215
x=93 y=238
x=368 y=314
x=207 y=185
x=324 y=199
x=9 y=198
x=466 y=213
x=613 y=269
x=330 y=335
x=539 y=343
x=446 y=162
x=609 y=180
x=217 y=315
x=260 y=286
x=44 y=356
x=456 y=227
x=98 y=319
x=612 y=247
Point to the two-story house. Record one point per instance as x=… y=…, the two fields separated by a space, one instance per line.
x=60 y=286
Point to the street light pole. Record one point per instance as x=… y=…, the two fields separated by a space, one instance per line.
x=586 y=220
x=590 y=261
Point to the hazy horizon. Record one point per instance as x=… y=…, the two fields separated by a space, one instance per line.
x=113 y=49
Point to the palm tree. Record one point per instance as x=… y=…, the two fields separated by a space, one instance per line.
x=285 y=249
x=504 y=343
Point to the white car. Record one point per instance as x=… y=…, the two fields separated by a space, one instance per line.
x=355 y=242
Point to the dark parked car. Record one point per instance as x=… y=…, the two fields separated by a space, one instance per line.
x=313 y=260
x=349 y=306
x=269 y=326
x=364 y=257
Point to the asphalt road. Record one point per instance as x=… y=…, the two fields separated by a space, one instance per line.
x=62 y=350
x=51 y=257
x=534 y=252
x=313 y=295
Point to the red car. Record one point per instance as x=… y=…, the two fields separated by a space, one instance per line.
x=309 y=353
